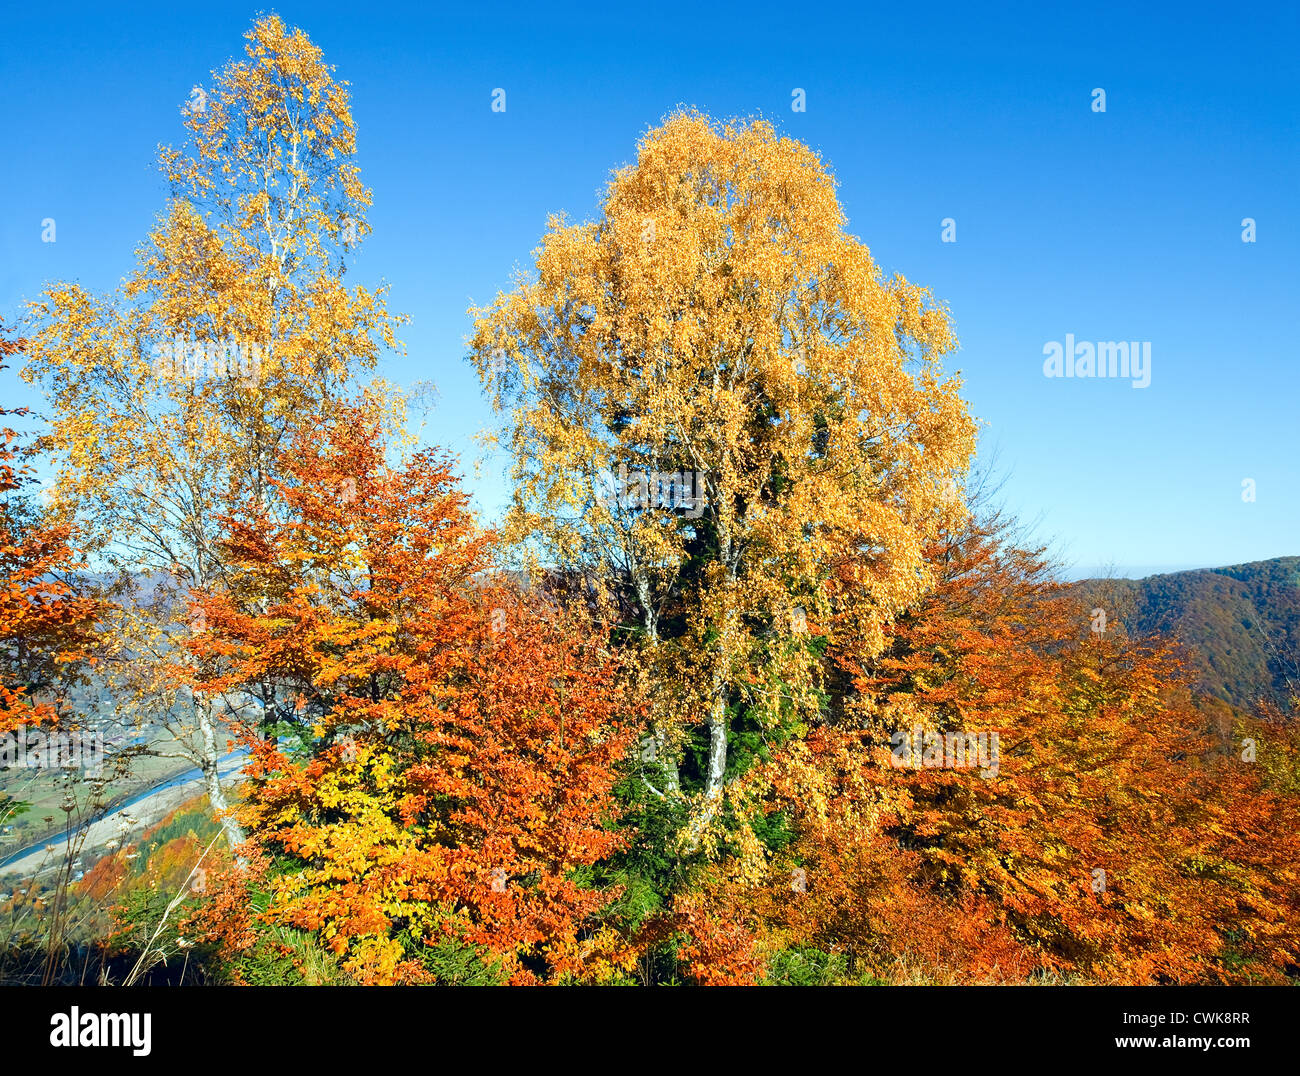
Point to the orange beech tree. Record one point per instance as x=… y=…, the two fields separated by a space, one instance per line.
x=1104 y=839
x=440 y=786
x=1113 y=836
x=1260 y=776
x=46 y=622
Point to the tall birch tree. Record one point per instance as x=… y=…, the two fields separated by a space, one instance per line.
x=170 y=398
x=716 y=403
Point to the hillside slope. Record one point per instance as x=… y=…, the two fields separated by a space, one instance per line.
x=1242 y=622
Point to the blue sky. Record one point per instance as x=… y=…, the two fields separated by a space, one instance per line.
x=1122 y=225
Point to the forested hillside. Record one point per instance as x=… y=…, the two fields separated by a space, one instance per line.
x=1241 y=622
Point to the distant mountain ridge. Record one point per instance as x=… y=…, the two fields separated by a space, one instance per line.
x=1242 y=622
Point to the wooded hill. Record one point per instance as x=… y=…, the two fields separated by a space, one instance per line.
x=1242 y=622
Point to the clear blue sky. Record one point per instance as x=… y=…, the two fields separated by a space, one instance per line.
x=1123 y=225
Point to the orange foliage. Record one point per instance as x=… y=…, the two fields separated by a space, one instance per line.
x=459 y=740
x=44 y=623
x=1107 y=839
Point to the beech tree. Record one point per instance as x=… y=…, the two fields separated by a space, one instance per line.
x=1111 y=841
x=47 y=621
x=450 y=780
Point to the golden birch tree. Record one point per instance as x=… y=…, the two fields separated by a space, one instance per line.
x=716 y=403
x=171 y=398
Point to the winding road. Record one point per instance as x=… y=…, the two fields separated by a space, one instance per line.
x=125 y=820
